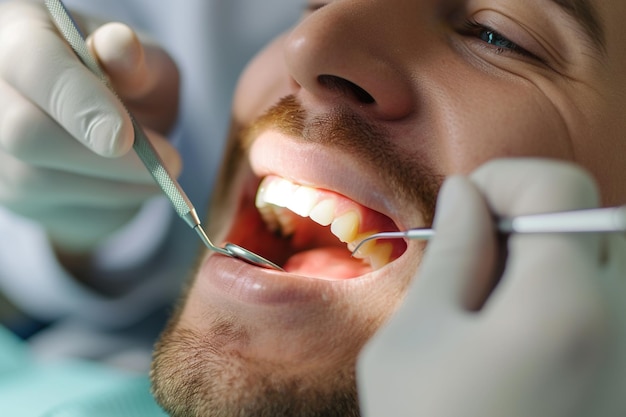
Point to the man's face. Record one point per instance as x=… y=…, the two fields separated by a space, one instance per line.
x=347 y=125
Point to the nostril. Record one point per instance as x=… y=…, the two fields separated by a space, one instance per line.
x=342 y=85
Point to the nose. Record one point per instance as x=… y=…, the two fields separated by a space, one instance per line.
x=342 y=54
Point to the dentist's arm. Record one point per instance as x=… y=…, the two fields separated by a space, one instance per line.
x=65 y=140
x=538 y=331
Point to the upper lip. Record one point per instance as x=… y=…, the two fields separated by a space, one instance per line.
x=274 y=153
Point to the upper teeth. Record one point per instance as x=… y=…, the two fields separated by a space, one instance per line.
x=277 y=196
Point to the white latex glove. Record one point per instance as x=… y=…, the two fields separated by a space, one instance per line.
x=548 y=341
x=65 y=140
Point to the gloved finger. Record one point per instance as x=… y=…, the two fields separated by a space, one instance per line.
x=142 y=74
x=519 y=186
x=122 y=56
x=39 y=64
x=543 y=272
x=24 y=188
x=32 y=136
x=515 y=187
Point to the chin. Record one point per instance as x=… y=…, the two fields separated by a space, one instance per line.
x=253 y=341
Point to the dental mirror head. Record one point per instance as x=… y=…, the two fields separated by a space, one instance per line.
x=236 y=251
x=244 y=254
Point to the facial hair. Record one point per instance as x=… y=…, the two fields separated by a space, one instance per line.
x=196 y=374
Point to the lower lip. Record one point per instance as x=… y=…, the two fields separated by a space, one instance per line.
x=238 y=281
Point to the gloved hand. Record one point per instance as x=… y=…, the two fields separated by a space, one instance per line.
x=65 y=139
x=548 y=341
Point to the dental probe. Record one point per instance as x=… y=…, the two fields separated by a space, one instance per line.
x=144 y=149
x=599 y=220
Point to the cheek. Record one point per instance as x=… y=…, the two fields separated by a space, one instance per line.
x=264 y=81
x=601 y=149
x=486 y=117
x=600 y=138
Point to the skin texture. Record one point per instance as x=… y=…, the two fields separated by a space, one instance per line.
x=392 y=94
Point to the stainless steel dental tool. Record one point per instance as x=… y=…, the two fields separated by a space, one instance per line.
x=600 y=220
x=144 y=149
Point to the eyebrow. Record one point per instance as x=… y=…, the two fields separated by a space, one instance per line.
x=586 y=15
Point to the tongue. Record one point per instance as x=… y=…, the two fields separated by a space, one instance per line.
x=326 y=263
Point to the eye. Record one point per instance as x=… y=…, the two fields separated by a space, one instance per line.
x=497 y=40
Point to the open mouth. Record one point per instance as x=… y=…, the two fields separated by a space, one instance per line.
x=312 y=232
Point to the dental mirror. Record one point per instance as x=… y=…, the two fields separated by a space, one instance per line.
x=148 y=155
x=244 y=254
